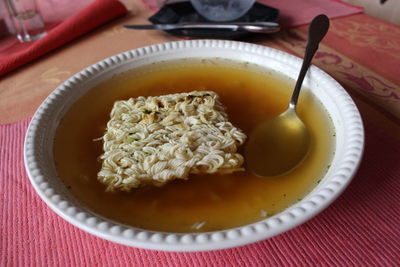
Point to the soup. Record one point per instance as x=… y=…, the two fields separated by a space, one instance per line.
x=203 y=202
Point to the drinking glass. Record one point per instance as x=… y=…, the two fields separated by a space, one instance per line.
x=222 y=10
x=26 y=18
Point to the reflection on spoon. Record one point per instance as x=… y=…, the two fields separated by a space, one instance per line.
x=278 y=145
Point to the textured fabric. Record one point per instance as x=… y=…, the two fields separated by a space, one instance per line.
x=361 y=228
x=304 y=11
x=87 y=19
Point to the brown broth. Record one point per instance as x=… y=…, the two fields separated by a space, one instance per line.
x=215 y=201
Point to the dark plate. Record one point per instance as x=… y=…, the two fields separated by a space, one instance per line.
x=184 y=12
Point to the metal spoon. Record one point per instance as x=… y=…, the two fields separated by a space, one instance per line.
x=278 y=145
x=222 y=10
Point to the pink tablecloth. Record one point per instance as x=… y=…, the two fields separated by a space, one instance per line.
x=361 y=228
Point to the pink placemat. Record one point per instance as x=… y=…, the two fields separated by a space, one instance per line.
x=292 y=13
x=361 y=228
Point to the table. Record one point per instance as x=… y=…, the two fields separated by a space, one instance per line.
x=361 y=52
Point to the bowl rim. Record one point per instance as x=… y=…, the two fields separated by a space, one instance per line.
x=35 y=153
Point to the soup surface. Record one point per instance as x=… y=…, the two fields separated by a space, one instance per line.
x=204 y=202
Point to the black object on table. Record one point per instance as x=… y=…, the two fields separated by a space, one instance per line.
x=183 y=12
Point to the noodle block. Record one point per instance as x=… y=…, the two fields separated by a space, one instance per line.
x=154 y=140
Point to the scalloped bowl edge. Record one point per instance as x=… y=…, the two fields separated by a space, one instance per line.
x=42 y=174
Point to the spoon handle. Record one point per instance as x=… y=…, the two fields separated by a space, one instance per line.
x=318 y=28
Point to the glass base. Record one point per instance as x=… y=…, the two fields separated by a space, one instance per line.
x=29 y=38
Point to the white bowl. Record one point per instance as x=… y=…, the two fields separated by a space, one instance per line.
x=39 y=162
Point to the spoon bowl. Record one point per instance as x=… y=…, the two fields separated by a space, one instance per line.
x=277 y=146
x=287 y=136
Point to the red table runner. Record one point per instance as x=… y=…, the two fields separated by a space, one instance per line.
x=90 y=17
